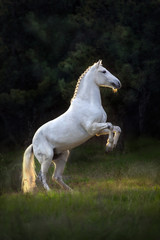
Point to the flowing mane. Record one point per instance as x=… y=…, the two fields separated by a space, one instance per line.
x=79 y=81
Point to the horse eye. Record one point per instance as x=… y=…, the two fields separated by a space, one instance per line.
x=104 y=71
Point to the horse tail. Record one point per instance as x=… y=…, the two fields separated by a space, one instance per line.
x=28 y=171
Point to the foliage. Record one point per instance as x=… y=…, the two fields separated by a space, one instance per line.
x=45 y=46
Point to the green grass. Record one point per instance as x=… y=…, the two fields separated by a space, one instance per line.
x=116 y=196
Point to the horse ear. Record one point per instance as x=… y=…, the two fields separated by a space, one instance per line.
x=99 y=63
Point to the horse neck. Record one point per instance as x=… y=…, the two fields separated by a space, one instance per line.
x=89 y=91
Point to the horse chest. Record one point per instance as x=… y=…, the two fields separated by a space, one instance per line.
x=83 y=111
x=97 y=114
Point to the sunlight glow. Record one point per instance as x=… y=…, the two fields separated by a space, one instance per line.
x=115 y=90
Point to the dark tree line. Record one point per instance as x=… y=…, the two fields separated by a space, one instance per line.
x=46 y=45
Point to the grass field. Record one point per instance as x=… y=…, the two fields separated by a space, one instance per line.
x=116 y=196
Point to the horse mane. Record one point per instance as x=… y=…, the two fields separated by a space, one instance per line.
x=79 y=81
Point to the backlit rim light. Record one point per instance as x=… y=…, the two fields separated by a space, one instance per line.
x=115 y=90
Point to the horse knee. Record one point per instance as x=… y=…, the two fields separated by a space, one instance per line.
x=56 y=178
x=117 y=129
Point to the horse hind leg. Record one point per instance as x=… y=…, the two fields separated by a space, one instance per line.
x=44 y=169
x=60 y=163
x=45 y=161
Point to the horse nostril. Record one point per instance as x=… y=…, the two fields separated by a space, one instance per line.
x=116 y=85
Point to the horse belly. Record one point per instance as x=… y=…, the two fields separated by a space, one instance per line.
x=66 y=136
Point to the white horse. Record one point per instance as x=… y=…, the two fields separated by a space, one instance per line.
x=84 y=119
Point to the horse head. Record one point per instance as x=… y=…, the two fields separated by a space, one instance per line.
x=104 y=78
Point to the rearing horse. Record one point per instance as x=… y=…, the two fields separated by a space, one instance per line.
x=84 y=119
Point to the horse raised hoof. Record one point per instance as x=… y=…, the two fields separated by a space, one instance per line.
x=109 y=148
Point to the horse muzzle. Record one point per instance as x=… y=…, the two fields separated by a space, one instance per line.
x=116 y=84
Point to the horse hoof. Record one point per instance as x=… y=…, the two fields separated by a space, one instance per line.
x=108 y=149
x=70 y=190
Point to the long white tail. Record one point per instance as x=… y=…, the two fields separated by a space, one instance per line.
x=28 y=171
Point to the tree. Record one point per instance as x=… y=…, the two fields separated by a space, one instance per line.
x=45 y=46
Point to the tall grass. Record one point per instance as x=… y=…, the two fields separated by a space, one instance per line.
x=116 y=196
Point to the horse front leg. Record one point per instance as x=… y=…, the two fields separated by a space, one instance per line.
x=117 y=132
x=99 y=128
x=103 y=129
x=113 y=138
x=114 y=134
x=110 y=141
